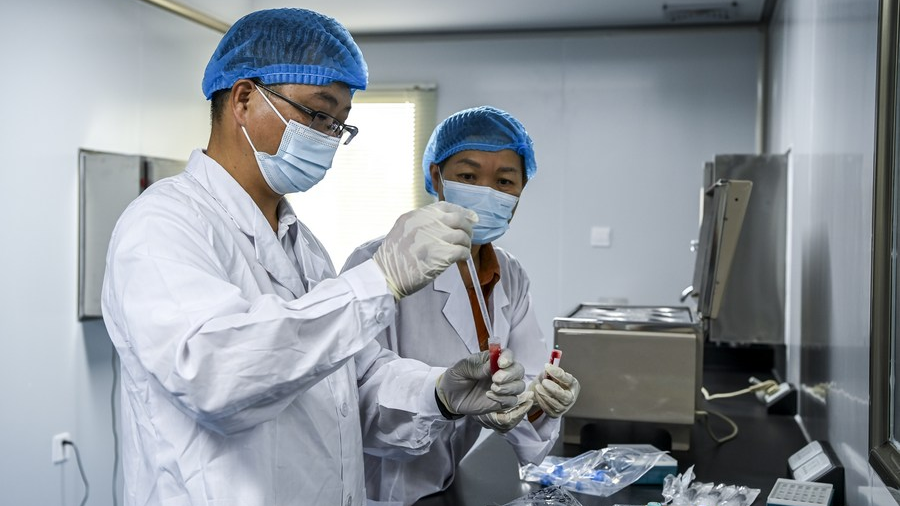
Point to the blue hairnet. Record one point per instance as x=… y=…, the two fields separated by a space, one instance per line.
x=482 y=128
x=286 y=46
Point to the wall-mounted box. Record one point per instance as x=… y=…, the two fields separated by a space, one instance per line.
x=107 y=183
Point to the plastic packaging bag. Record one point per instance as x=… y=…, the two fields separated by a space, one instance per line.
x=679 y=491
x=550 y=496
x=597 y=472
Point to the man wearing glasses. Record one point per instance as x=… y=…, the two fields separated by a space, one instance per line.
x=250 y=373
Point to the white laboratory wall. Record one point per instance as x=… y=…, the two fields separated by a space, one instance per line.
x=109 y=75
x=622 y=123
x=823 y=68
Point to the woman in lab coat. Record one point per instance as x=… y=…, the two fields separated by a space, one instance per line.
x=480 y=159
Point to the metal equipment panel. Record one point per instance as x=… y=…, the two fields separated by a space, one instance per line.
x=752 y=308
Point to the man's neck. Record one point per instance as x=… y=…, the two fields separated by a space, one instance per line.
x=243 y=167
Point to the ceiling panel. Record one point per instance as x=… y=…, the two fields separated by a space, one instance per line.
x=376 y=17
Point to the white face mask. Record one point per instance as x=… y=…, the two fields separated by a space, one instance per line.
x=303 y=156
x=494 y=208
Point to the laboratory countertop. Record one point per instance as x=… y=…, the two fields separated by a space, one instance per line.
x=756 y=458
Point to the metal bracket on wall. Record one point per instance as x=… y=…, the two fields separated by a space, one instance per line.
x=191 y=14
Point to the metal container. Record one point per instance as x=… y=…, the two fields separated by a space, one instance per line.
x=636 y=363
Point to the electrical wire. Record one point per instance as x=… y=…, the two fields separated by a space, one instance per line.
x=84 y=480
x=729 y=421
x=115 y=430
x=765 y=385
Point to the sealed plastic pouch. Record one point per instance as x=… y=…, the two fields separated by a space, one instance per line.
x=597 y=472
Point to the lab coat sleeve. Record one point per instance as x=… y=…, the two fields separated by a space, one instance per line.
x=227 y=358
x=399 y=413
x=398 y=408
x=531 y=441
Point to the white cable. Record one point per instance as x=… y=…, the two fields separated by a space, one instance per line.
x=765 y=385
x=729 y=421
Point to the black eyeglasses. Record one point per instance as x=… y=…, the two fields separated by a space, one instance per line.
x=321 y=122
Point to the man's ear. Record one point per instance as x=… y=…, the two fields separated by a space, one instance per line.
x=239 y=100
x=436 y=181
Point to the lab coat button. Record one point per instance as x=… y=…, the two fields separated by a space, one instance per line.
x=344 y=409
x=349 y=500
x=379 y=317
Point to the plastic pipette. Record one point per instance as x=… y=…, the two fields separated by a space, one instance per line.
x=493 y=341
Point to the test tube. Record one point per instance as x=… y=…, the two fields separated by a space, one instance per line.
x=555 y=356
x=493 y=341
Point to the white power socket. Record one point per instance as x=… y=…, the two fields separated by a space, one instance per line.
x=60 y=451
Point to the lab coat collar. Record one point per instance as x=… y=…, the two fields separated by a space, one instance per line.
x=313 y=267
x=243 y=211
x=458 y=311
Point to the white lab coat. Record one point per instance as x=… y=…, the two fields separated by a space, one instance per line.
x=435 y=325
x=243 y=362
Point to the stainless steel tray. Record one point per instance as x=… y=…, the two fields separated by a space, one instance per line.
x=648 y=318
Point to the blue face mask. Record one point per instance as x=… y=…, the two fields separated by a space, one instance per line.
x=302 y=158
x=494 y=208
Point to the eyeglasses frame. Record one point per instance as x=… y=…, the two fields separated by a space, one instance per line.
x=312 y=113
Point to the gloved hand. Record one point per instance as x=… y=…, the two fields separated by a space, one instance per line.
x=467 y=388
x=555 y=390
x=504 y=421
x=422 y=244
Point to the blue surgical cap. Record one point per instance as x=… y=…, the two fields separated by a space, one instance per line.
x=286 y=46
x=482 y=128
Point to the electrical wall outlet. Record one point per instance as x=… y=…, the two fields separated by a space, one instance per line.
x=60 y=451
x=781 y=400
x=601 y=237
x=776 y=394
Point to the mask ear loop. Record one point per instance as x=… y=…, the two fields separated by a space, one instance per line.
x=243 y=129
x=263 y=95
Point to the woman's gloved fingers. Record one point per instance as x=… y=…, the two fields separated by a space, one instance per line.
x=558 y=374
x=550 y=404
x=563 y=395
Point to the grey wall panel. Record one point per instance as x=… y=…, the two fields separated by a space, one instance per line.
x=823 y=68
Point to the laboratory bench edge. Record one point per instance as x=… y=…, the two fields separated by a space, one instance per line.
x=756 y=458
